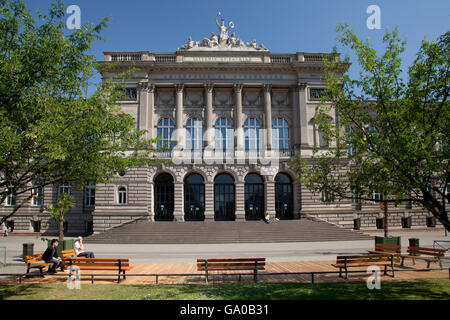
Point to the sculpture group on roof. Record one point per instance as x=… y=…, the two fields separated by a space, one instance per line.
x=223 y=41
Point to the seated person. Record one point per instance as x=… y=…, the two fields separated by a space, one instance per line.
x=51 y=255
x=79 y=249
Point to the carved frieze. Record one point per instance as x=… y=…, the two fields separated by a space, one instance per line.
x=252 y=97
x=280 y=97
x=165 y=97
x=222 y=97
x=193 y=97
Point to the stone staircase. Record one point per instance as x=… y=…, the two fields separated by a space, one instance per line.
x=304 y=230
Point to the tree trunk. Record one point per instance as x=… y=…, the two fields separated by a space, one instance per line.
x=385 y=224
x=61 y=230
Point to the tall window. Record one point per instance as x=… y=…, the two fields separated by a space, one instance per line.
x=350 y=146
x=251 y=134
x=194 y=134
x=377 y=197
x=165 y=131
x=65 y=188
x=280 y=134
x=223 y=134
x=122 y=195
x=89 y=195
x=38 y=195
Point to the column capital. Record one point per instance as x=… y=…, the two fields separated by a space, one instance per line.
x=267 y=87
x=179 y=87
x=209 y=87
x=301 y=85
x=238 y=87
x=146 y=86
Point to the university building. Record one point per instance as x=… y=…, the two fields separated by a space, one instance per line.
x=230 y=115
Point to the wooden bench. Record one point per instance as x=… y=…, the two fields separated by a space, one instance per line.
x=217 y=264
x=431 y=255
x=121 y=265
x=70 y=253
x=345 y=262
x=381 y=248
x=35 y=261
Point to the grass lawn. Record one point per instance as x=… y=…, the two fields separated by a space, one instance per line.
x=435 y=289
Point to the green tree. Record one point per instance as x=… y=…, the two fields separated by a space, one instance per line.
x=57 y=212
x=391 y=135
x=51 y=129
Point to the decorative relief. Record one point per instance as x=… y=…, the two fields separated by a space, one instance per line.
x=222 y=97
x=193 y=97
x=280 y=97
x=165 y=97
x=252 y=97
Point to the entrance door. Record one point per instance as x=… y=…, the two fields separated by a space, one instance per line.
x=254 y=197
x=224 y=198
x=164 y=197
x=283 y=197
x=194 y=198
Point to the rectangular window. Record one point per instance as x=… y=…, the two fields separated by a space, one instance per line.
x=377 y=197
x=317 y=93
x=129 y=94
x=65 y=188
x=89 y=195
x=325 y=196
x=11 y=201
x=38 y=196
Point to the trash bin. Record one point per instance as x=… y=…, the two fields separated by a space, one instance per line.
x=27 y=249
x=388 y=240
x=414 y=242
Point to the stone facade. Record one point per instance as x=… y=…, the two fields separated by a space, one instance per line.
x=210 y=82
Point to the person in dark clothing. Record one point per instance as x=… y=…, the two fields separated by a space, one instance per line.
x=51 y=255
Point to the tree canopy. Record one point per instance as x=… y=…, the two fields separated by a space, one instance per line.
x=51 y=129
x=391 y=134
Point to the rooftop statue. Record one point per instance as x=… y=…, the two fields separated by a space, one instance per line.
x=223 y=41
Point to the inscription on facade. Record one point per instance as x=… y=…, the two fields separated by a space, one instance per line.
x=224 y=59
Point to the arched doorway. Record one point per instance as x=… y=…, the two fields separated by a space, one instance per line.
x=194 y=198
x=164 y=197
x=284 y=204
x=224 y=198
x=254 y=197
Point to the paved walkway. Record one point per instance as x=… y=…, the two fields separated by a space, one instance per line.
x=138 y=272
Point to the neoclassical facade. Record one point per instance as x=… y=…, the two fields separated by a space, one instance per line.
x=229 y=115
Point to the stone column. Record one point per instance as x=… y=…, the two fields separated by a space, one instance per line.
x=303 y=120
x=209 y=117
x=269 y=190
x=268 y=115
x=151 y=110
x=295 y=118
x=142 y=118
x=179 y=118
x=209 y=201
x=178 y=211
x=238 y=123
x=240 y=200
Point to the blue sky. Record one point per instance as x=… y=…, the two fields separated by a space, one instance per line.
x=283 y=26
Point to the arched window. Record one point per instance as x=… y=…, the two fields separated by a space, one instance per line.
x=122 y=195
x=283 y=197
x=251 y=134
x=194 y=198
x=164 y=132
x=194 y=134
x=280 y=134
x=224 y=197
x=223 y=134
x=254 y=197
x=164 y=197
